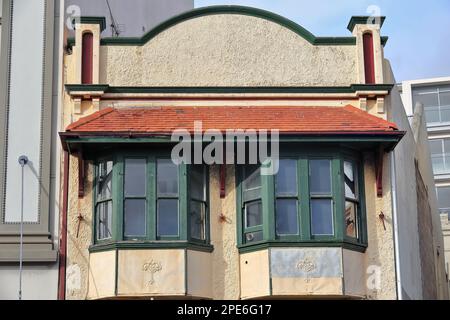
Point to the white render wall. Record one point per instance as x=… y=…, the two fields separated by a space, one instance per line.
x=25 y=110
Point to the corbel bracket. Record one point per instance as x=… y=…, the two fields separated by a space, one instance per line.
x=379 y=156
x=223 y=176
x=81 y=174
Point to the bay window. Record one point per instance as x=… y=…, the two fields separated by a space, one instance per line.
x=144 y=198
x=312 y=198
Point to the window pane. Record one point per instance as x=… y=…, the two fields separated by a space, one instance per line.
x=436 y=147
x=445 y=114
x=253 y=214
x=167 y=173
x=438 y=164
x=350 y=181
x=443 y=194
x=320 y=176
x=134 y=218
x=197 y=220
x=287 y=217
x=167 y=218
x=104 y=220
x=351 y=225
x=322 y=217
x=286 y=179
x=253 y=236
x=432 y=115
x=447 y=145
x=252 y=182
x=197 y=182
x=105 y=180
x=444 y=98
x=427 y=99
x=135 y=177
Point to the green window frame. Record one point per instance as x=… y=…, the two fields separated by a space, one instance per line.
x=134 y=182
x=307 y=195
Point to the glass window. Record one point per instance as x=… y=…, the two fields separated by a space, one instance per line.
x=253 y=214
x=320 y=176
x=286 y=189
x=321 y=197
x=135 y=181
x=440 y=155
x=253 y=218
x=103 y=204
x=287 y=217
x=351 y=214
x=322 y=217
x=436 y=101
x=198 y=205
x=443 y=194
x=167 y=203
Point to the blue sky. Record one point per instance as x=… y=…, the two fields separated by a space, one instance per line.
x=419 y=31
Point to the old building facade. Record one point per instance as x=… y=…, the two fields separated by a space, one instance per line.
x=336 y=220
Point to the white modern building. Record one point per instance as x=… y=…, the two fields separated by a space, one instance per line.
x=434 y=95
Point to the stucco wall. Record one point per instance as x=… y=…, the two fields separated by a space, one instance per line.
x=228 y=50
x=379 y=258
x=79 y=234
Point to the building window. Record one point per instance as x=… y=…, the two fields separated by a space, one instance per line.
x=87 y=57
x=440 y=155
x=443 y=194
x=252 y=205
x=135 y=202
x=369 y=59
x=309 y=199
x=321 y=197
x=103 y=203
x=167 y=218
x=286 y=206
x=198 y=205
x=436 y=101
x=145 y=197
x=352 y=206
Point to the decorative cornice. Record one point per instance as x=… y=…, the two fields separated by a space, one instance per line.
x=230 y=9
x=74 y=88
x=369 y=20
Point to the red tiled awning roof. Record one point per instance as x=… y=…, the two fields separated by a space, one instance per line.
x=289 y=120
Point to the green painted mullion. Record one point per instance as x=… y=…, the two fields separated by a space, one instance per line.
x=118 y=173
x=183 y=201
x=362 y=204
x=151 y=198
x=338 y=198
x=239 y=205
x=94 y=205
x=303 y=187
x=268 y=206
x=207 y=207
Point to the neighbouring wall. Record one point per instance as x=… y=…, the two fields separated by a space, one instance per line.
x=412 y=148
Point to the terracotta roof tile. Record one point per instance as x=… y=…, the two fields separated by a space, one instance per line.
x=292 y=119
